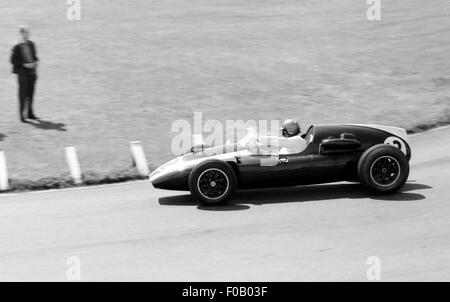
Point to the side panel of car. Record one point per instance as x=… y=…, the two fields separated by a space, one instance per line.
x=343 y=166
x=257 y=171
x=276 y=170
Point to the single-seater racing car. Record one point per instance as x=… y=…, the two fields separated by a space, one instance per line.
x=376 y=156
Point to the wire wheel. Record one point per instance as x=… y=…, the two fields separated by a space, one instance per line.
x=385 y=171
x=213 y=183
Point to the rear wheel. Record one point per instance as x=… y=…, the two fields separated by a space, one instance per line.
x=383 y=169
x=212 y=183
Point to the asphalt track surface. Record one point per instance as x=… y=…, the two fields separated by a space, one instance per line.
x=132 y=232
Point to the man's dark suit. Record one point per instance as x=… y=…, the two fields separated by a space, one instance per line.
x=25 y=53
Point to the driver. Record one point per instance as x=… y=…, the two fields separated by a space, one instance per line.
x=290 y=143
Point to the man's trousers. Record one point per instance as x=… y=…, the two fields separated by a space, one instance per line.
x=26 y=94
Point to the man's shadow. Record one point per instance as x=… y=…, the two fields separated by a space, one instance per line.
x=48 y=125
x=242 y=199
x=2 y=137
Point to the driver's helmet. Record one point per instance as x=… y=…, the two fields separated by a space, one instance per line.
x=290 y=128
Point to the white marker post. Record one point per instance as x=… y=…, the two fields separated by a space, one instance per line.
x=4 y=179
x=137 y=152
x=74 y=165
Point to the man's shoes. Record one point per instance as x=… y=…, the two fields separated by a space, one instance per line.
x=33 y=117
x=23 y=120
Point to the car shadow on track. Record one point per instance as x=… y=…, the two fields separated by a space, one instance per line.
x=186 y=200
x=242 y=199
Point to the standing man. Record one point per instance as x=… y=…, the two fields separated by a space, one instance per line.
x=25 y=62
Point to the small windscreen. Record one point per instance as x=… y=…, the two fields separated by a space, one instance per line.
x=309 y=136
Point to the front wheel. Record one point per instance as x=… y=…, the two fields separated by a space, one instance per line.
x=383 y=169
x=212 y=182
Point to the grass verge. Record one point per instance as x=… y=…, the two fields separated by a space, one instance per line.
x=427 y=126
x=90 y=178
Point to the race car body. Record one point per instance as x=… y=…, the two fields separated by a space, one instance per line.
x=376 y=156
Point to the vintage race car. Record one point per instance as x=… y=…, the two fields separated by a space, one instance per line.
x=377 y=156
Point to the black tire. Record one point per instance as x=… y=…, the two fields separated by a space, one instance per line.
x=383 y=169
x=212 y=182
